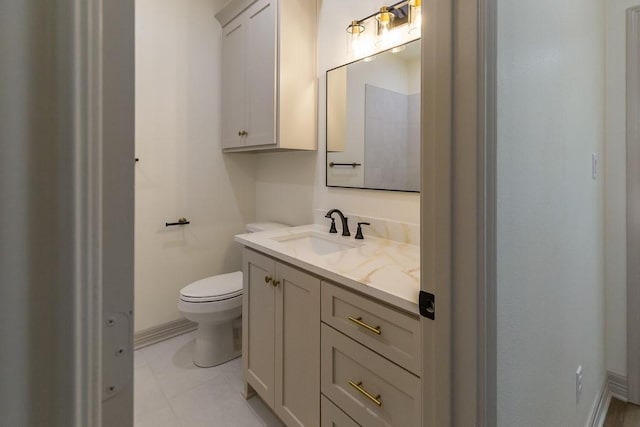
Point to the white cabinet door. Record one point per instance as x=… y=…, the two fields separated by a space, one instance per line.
x=273 y=59
x=281 y=338
x=258 y=324
x=233 y=89
x=297 y=400
x=260 y=80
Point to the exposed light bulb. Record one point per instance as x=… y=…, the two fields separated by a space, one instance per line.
x=383 y=19
x=354 y=39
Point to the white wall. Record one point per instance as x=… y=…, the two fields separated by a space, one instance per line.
x=182 y=171
x=290 y=185
x=550 y=212
x=616 y=204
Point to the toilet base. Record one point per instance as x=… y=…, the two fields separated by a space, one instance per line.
x=214 y=344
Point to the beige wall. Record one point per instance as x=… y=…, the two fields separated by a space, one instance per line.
x=182 y=171
x=615 y=170
x=291 y=185
x=550 y=223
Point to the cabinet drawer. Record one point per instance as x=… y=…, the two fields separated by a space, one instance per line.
x=392 y=333
x=332 y=416
x=369 y=388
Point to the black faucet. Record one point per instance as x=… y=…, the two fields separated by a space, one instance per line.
x=359 y=234
x=345 y=223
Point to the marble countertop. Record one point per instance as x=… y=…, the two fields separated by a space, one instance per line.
x=381 y=268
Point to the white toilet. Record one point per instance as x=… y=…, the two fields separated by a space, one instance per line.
x=215 y=303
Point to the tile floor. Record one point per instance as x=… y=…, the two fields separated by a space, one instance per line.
x=170 y=391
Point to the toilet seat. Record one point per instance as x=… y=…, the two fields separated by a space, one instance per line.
x=215 y=288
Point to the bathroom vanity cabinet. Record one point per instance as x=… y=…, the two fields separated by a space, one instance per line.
x=320 y=354
x=269 y=75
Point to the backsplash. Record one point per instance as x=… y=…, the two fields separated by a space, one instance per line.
x=397 y=231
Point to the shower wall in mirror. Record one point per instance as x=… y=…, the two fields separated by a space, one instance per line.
x=373 y=122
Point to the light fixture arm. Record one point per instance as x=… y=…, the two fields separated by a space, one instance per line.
x=399 y=6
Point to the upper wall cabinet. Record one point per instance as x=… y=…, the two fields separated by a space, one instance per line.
x=269 y=75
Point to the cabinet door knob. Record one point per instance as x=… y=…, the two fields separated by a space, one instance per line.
x=275 y=283
x=239 y=133
x=268 y=279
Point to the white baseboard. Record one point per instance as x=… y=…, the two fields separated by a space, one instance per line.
x=599 y=413
x=163 y=332
x=614 y=386
x=618 y=386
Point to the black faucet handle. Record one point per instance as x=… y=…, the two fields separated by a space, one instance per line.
x=359 y=235
x=333 y=226
x=345 y=227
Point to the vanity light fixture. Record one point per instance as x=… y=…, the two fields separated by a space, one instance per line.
x=387 y=20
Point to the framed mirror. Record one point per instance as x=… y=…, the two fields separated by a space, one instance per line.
x=373 y=121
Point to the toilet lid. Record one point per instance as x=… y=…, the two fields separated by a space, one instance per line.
x=214 y=288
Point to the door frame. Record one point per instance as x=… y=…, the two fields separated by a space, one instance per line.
x=104 y=139
x=633 y=203
x=435 y=209
x=88 y=38
x=457 y=205
x=487 y=297
x=458 y=212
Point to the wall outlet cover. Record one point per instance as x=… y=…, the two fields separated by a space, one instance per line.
x=578 y=383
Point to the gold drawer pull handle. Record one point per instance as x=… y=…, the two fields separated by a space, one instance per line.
x=358 y=321
x=268 y=279
x=364 y=392
x=275 y=283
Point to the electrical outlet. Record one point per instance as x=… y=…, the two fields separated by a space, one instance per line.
x=578 y=384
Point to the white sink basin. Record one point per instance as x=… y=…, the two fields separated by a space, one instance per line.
x=316 y=243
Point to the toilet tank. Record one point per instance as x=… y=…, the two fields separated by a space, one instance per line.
x=254 y=227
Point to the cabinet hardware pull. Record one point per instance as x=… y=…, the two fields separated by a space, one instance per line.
x=365 y=393
x=267 y=279
x=358 y=321
x=239 y=133
x=275 y=283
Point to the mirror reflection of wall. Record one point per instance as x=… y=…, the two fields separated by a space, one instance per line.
x=373 y=122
